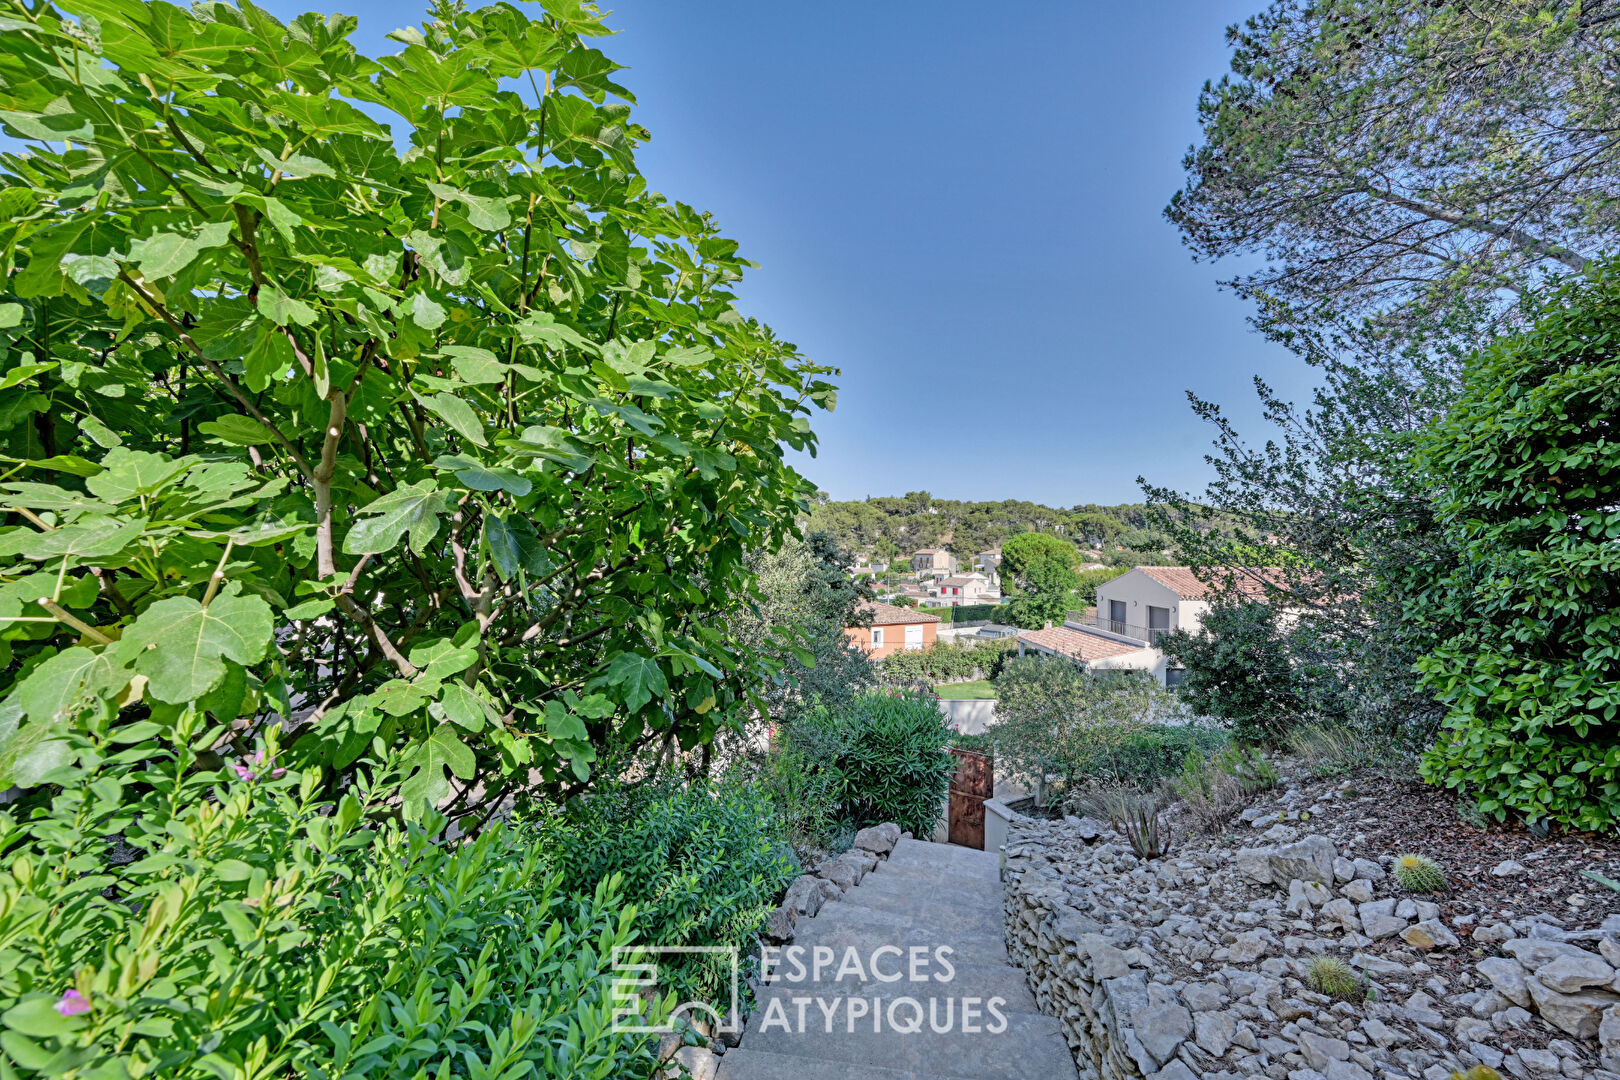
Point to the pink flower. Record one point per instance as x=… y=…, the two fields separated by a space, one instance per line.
x=73 y=1003
x=277 y=774
x=243 y=772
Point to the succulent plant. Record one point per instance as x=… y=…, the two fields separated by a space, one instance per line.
x=1478 y=1072
x=1335 y=978
x=1419 y=874
x=1148 y=833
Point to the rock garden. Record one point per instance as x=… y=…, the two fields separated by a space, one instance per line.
x=1346 y=929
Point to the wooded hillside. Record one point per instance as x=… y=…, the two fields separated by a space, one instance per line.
x=889 y=526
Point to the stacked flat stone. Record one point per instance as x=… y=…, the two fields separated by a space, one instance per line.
x=1193 y=967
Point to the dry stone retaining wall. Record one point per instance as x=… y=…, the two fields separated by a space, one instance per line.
x=1193 y=967
x=802 y=900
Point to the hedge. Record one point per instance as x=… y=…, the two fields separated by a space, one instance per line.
x=947 y=660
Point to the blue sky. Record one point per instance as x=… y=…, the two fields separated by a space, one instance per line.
x=957 y=204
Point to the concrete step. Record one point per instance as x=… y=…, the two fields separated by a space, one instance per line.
x=842 y=926
x=931 y=874
x=937 y=972
x=926 y=897
x=948 y=859
x=852 y=924
x=1023 y=1046
x=894 y=879
x=742 y=1064
x=934 y=908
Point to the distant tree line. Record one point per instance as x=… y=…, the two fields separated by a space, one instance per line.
x=893 y=527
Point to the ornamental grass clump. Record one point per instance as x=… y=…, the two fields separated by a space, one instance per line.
x=1419 y=874
x=1333 y=977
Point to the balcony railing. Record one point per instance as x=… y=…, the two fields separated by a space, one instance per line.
x=1147 y=634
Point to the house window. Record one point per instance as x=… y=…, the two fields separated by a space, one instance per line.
x=914 y=637
x=1174 y=677
x=1158 y=623
x=1116 y=616
x=877 y=637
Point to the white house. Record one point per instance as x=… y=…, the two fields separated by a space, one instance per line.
x=965 y=589
x=1134 y=610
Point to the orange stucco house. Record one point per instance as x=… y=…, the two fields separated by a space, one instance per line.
x=893 y=629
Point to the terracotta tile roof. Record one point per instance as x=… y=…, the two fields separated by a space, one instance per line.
x=970 y=579
x=1077 y=644
x=1248 y=581
x=890 y=615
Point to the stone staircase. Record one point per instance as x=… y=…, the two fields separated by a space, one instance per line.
x=923 y=897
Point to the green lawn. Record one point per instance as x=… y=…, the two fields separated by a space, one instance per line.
x=961 y=690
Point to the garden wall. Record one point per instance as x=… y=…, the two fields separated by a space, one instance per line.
x=970 y=716
x=1195 y=966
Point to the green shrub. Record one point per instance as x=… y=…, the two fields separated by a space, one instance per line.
x=806 y=788
x=1255 y=676
x=702 y=865
x=964 y=612
x=245 y=927
x=1216 y=787
x=1144 y=753
x=947 y=660
x=890 y=749
x=1527 y=474
x=1058 y=721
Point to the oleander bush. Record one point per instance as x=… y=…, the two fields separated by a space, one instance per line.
x=894 y=760
x=702 y=865
x=888 y=754
x=245 y=923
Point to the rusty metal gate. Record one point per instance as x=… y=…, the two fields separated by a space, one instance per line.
x=973 y=782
